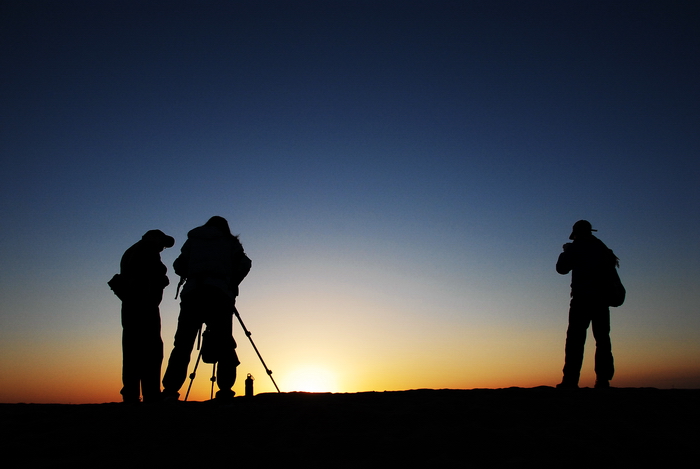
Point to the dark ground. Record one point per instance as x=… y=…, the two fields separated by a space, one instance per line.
x=538 y=427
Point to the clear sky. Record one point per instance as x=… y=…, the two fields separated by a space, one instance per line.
x=403 y=175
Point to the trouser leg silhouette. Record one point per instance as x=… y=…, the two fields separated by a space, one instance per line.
x=142 y=349
x=213 y=308
x=582 y=314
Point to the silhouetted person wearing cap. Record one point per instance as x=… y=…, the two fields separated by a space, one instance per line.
x=214 y=264
x=143 y=277
x=592 y=266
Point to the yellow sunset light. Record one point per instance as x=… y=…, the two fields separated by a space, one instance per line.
x=311 y=379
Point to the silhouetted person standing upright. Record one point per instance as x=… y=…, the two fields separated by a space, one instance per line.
x=214 y=264
x=592 y=266
x=143 y=277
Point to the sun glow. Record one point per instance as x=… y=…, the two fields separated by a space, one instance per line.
x=311 y=379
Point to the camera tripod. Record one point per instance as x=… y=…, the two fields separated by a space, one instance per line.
x=200 y=346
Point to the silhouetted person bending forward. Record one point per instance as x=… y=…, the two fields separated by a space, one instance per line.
x=145 y=278
x=591 y=264
x=213 y=262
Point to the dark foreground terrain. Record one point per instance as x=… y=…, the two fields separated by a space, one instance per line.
x=539 y=427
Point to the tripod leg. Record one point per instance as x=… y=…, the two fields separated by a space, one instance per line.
x=213 y=380
x=193 y=374
x=248 y=334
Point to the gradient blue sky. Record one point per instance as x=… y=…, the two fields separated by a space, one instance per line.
x=402 y=174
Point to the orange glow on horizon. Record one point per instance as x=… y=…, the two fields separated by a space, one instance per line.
x=311 y=379
x=69 y=372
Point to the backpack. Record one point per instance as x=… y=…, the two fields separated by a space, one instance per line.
x=118 y=286
x=615 y=291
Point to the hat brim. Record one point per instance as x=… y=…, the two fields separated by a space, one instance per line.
x=168 y=241
x=574 y=233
